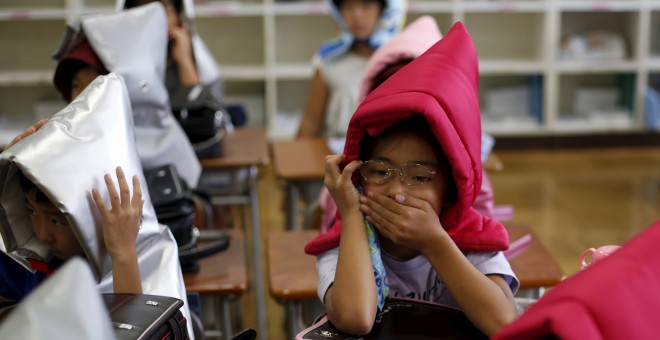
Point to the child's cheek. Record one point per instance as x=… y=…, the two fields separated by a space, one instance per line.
x=373 y=188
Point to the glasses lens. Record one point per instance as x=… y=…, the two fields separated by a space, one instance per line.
x=374 y=172
x=416 y=174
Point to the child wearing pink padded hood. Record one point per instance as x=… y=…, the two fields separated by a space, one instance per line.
x=414 y=40
x=404 y=188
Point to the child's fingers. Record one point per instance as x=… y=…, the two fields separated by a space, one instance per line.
x=382 y=203
x=124 y=191
x=383 y=225
x=351 y=167
x=417 y=203
x=332 y=171
x=99 y=202
x=405 y=200
x=23 y=134
x=30 y=130
x=137 y=193
x=112 y=192
x=40 y=123
x=384 y=208
x=332 y=163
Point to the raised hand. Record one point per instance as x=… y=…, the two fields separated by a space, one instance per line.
x=339 y=182
x=404 y=219
x=121 y=222
x=32 y=129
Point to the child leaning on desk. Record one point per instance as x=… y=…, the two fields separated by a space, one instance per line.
x=404 y=188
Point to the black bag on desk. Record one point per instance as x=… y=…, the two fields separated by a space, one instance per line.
x=405 y=319
x=142 y=316
x=175 y=207
x=202 y=118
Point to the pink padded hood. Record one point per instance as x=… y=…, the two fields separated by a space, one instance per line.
x=414 y=40
x=616 y=298
x=441 y=85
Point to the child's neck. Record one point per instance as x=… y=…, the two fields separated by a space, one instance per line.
x=362 y=49
x=396 y=251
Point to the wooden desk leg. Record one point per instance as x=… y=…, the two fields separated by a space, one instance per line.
x=292 y=197
x=260 y=290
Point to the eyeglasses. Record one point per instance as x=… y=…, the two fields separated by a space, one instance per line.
x=378 y=172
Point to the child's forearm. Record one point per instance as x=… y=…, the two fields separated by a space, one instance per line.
x=352 y=300
x=486 y=301
x=313 y=117
x=126 y=273
x=187 y=73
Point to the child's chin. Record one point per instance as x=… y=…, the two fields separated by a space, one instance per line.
x=60 y=255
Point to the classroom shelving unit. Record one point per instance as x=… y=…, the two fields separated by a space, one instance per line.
x=265 y=47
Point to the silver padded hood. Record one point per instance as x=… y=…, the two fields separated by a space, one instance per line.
x=207 y=68
x=133 y=43
x=57 y=308
x=68 y=157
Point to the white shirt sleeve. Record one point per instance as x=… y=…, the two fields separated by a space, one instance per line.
x=494 y=263
x=326 y=267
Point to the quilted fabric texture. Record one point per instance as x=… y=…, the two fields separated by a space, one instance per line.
x=616 y=298
x=442 y=86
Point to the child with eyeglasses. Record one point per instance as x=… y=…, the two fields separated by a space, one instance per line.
x=404 y=188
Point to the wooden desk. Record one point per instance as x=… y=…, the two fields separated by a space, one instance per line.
x=292 y=273
x=535 y=267
x=244 y=151
x=223 y=275
x=244 y=147
x=299 y=162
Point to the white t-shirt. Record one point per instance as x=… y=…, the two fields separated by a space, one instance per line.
x=416 y=278
x=343 y=76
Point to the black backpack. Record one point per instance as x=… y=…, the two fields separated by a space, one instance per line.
x=175 y=207
x=149 y=317
x=202 y=118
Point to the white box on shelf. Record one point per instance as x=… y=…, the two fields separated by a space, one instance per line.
x=509 y=125
x=596 y=99
x=596 y=121
x=507 y=101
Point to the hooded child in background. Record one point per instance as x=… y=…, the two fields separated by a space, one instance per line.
x=93 y=46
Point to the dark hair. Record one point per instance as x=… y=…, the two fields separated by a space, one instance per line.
x=387 y=71
x=28 y=186
x=415 y=124
x=382 y=3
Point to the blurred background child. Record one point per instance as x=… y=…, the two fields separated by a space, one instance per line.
x=339 y=63
x=89 y=48
x=189 y=63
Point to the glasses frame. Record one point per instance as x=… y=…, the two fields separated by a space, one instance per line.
x=398 y=169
